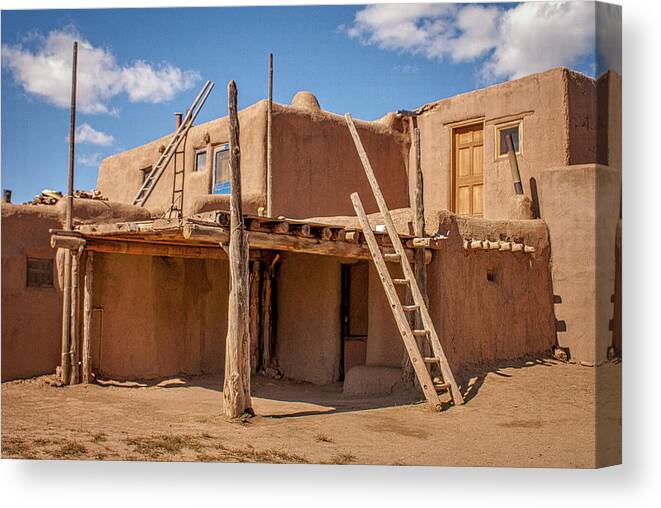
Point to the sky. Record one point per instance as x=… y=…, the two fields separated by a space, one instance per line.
x=137 y=67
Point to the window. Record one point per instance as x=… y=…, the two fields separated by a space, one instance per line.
x=145 y=172
x=39 y=273
x=514 y=130
x=201 y=160
x=221 y=170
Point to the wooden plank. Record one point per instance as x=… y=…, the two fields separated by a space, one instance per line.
x=87 y=319
x=269 y=142
x=236 y=388
x=400 y=318
x=406 y=267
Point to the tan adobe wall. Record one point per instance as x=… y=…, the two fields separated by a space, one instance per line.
x=173 y=321
x=308 y=318
x=583 y=224
x=316 y=166
x=540 y=101
x=120 y=176
x=31 y=317
x=477 y=320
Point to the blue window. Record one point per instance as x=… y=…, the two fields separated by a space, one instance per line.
x=221 y=170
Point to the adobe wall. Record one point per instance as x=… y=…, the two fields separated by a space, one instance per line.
x=308 y=318
x=161 y=316
x=557 y=110
x=582 y=210
x=477 y=320
x=31 y=317
x=316 y=166
x=120 y=175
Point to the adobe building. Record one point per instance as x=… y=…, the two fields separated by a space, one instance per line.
x=507 y=275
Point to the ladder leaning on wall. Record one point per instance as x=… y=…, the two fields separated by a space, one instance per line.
x=430 y=388
x=170 y=149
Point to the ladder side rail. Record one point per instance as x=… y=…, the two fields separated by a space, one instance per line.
x=410 y=343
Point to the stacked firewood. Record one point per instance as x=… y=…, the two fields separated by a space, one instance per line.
x=51 y=197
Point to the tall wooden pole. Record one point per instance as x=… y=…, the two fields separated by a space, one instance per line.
x=68 y=225
x=87 y=319
x=269 y=138
x=236 y=390
x=419 y=268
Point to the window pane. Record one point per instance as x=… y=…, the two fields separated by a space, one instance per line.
x=514 y=132
x=221 y=183
x=201 y=161
x=40 y=273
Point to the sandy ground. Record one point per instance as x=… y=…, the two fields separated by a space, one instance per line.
x=536 y=413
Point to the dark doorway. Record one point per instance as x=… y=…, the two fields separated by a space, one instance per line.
x=354 y=316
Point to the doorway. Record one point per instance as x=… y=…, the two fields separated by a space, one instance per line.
x=354 y=316
x=468 y=170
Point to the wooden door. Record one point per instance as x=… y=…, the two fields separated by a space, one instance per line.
x=468 y=170
x=354 y=310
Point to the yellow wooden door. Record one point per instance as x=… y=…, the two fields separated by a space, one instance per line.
x=468 y=167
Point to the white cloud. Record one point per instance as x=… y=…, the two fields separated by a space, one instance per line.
x=92 y=160
x=87 y=134
x=527 y=38
x=45 y=71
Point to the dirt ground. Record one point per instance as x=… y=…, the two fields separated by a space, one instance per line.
x=535 y=413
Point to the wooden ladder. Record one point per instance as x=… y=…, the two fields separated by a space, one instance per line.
x=171 y=148
x=428 y=331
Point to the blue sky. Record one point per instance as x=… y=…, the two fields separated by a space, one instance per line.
x=145 y=64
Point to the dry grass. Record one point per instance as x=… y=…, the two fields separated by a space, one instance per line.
x=342 y=459
x=16 y=448
x=69 y=450
x=157 y=446
x=322 y=438
x=99 y=438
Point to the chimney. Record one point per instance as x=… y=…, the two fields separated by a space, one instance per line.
x=177 y=121
x=6 y=196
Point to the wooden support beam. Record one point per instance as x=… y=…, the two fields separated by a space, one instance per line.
x=419 y=267
x=289 y=243
x=75 y=314
x=65 y=362
x=66 y=242
x=236 y=388
x=255 y=287
x=86 y=368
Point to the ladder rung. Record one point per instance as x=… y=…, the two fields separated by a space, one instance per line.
x=431 y=359
x=392 y=256
x=442 y=386
x=420 y=333
x=410 y=308
x=401 y=282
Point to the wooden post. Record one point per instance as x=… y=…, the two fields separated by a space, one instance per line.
x=236 y=389
x=75 y=312
x=269 y=134
x=87 y=319
x=68 y=226
x=65 y=364
x=267 y=312
x=514 y=165
x=255 y=283
x=419 y=268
